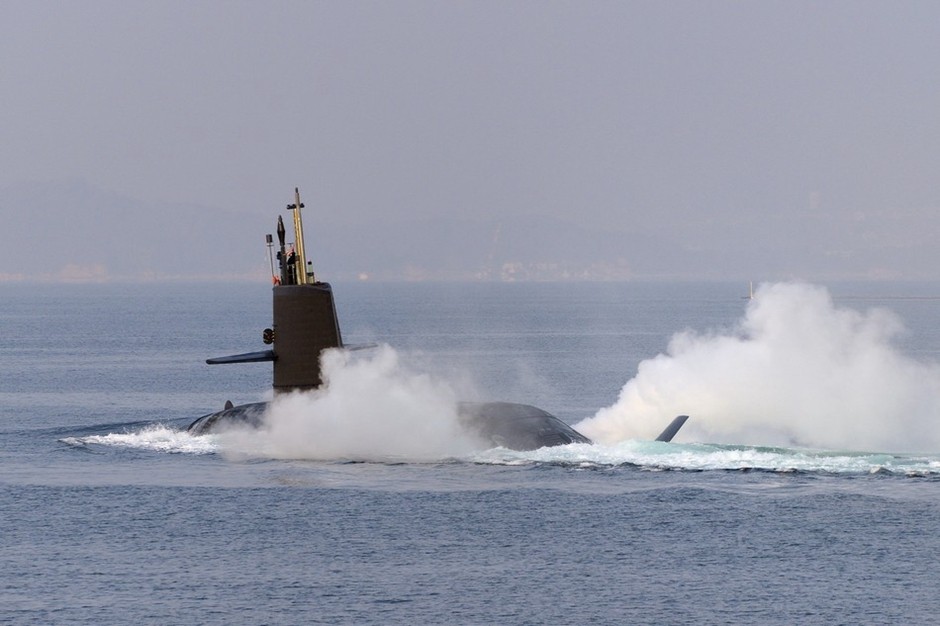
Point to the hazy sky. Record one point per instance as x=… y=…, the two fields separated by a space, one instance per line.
x=623 y=115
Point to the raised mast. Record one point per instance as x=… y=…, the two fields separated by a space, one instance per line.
x=301 y=262
x=305 y=322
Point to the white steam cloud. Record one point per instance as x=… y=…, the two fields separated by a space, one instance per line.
x=371 y=409
x=796 y=371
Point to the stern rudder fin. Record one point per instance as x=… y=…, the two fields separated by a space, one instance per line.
x=672 y=429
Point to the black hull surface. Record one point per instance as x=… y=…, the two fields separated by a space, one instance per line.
x=513 y=426
x=241 y=416
x=517 y=426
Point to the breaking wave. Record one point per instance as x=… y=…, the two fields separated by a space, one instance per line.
x=653 y=455
x=156 y=437
x=797 y=373
x=643 y=455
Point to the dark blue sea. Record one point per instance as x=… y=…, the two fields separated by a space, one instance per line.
x=805 y=488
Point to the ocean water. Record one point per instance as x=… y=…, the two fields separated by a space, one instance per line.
x=111 y=514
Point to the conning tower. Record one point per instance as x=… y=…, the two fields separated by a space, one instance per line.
x=305 y=321
x=305 y=324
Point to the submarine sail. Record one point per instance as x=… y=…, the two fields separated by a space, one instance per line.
x=305 y=324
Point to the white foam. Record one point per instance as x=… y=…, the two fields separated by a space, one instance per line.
x=700 y=457
x=649 y=455
x=371 y=408
x=155 y=437
x=797 y=371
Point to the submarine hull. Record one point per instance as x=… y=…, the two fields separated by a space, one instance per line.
x=517 y=426
x=241 y=416
x=506 y=424
x=306 y=324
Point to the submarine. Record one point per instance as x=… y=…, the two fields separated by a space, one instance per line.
x=305 y=324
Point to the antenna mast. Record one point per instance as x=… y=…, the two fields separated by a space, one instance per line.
x=301 y=266
x=269 y=240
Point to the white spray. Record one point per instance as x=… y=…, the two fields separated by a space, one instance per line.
x=795 y=371
x=370 y=408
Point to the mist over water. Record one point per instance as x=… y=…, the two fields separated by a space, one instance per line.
x=796 y=370
x=371 y=408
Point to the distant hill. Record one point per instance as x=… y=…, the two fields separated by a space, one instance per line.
x=516 y=248
x=75 y=231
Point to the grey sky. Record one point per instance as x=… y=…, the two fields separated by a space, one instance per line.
x=731 y=119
